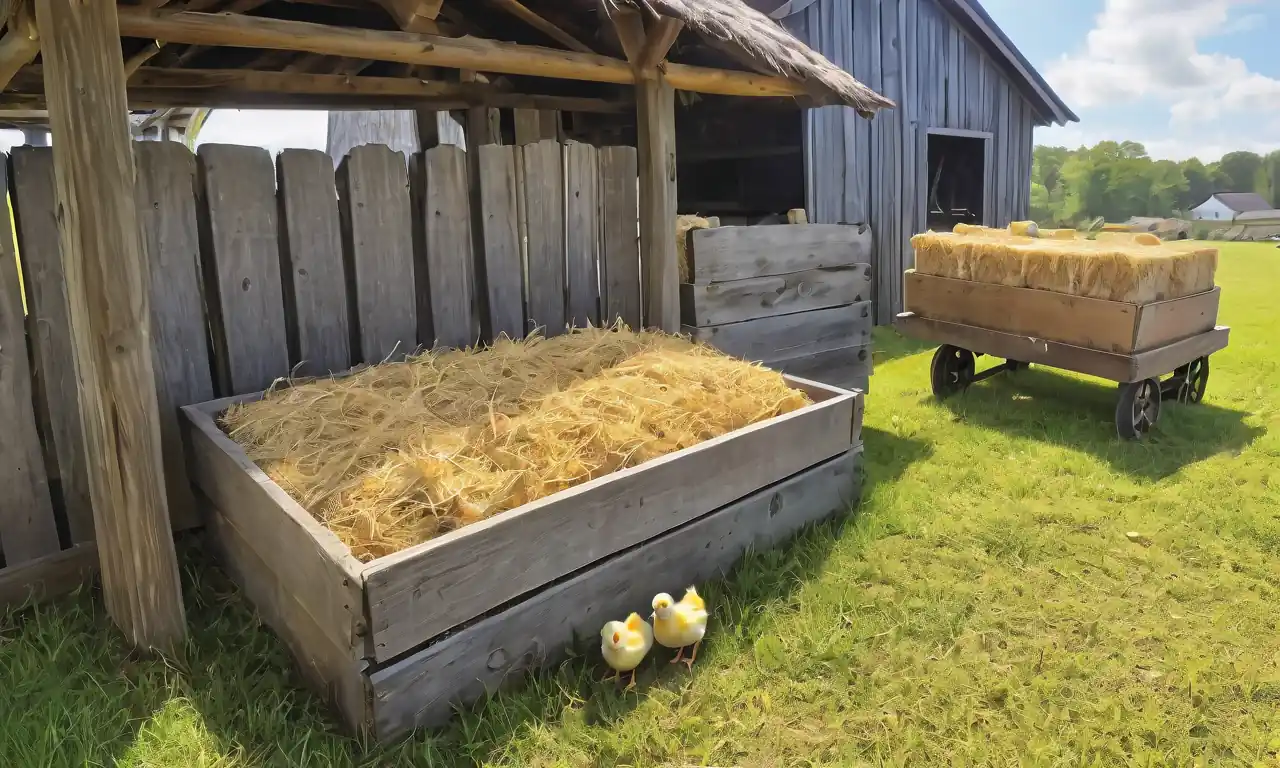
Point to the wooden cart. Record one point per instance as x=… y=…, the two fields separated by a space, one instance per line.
x=1137 y=346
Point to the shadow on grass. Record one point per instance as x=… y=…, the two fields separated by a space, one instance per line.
x=889 y=345
x=1046 y=405
x=72 y=694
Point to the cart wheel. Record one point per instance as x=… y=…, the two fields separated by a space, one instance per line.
x=952 y=370
x=1192 y=379
x=1138 y=408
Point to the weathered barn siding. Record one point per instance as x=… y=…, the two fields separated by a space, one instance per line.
x=873 y=172
x=398 y=129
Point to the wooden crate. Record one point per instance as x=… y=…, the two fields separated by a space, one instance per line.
x=394 y=642
x=1097 y=324
x=794 y=297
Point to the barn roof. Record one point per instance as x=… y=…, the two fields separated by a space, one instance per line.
x=371 y=54
x=970 y=16
x=1243 y=202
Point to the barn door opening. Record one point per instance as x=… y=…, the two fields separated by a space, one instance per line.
x=955 y=180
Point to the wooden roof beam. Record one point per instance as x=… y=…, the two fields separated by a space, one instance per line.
x=21 y=42
x=453 y=53
x=414 y=15
x=157 y=87
x=522 y=12
x=661 y=37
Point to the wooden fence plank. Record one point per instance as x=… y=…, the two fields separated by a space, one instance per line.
x=166 y=174
x=619 y=234
x=544 y=226
x=317 y=312
x=446 y=245
x=34 y=211
x=582 y=209
x=734 y=253
x=373 y=186
x=27 y=527
x=779 y=338
x=240 y=248
x=737 y=300
x=504 y=268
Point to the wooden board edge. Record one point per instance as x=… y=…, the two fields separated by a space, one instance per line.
x=45 y=578
x=1162 y=360
x=470 y=654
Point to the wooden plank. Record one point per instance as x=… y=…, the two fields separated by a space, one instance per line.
x=315 y=285
x=332 y=669
x=582 y=241
x=1084 y=322
x=1105 y=365
x=36 y=581
x=735 y=253
x=420 y=690
x=659 y=264
x=1161 y=360
x=373 y=189
x=446 y=254
x=166 y=175
x=785 y=336
x=737 y=300
x=27 y=528
x=241 y=257
x=421 y=592
x=846 y=367
x=1165 y=322
x=108 y=295
x=620 y=244
x=35 y=214
x=504 y=268
x=954 y=87
x=535 y=125
x=312 y=566
x=544 y=224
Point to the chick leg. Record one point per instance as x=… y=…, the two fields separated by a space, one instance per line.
x=631 y=684
x=612 y=678
x=692 y=656
x=679 y=657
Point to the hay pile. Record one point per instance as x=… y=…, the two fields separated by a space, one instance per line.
x=402 y=452
x=1136 y=269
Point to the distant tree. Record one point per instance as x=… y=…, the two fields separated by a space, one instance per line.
x=1241 y=171
x=1271 y=167
x=1199 y=184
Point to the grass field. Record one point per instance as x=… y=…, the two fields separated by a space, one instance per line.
x=984 y=607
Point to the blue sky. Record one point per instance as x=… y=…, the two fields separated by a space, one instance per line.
x=1185 y=77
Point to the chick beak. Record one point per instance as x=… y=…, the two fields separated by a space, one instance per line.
x=617 y=638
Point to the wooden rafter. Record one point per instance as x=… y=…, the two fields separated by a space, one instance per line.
x=659 y=41
x=414 y=15
x=453 y=53
x=21 y=41
x=522 y=12
x=155 y=87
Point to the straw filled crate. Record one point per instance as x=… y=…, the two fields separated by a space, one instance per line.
x=394 y=643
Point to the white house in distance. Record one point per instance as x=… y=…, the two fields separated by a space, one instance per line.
x=1225 y=206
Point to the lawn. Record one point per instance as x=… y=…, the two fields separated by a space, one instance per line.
x=985 y=606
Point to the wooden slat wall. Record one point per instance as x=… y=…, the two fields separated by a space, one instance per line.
x=288 y=289
x=943 y=79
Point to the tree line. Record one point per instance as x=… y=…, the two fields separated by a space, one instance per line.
x=1117 y=180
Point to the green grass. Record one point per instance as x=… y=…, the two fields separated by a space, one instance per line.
x=983 y=608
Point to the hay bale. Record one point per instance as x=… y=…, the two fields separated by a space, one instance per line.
x=684 y=224
x=399 y=453
x=1136 y=269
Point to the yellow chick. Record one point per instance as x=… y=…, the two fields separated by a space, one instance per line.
x=624 y=645
x=680 y=625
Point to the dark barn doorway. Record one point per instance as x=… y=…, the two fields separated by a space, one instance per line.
x=956 y=180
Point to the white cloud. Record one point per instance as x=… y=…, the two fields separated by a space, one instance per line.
x=1150 y=49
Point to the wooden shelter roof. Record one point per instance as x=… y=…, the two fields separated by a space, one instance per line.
x=372 y=54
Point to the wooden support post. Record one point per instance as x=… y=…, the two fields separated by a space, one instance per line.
x=659 y=269
x=107 y=293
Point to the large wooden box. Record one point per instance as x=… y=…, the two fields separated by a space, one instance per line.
x=1097 y=324
x=394 y=643
x=795 y=297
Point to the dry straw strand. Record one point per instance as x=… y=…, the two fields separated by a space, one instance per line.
x=398 y=453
